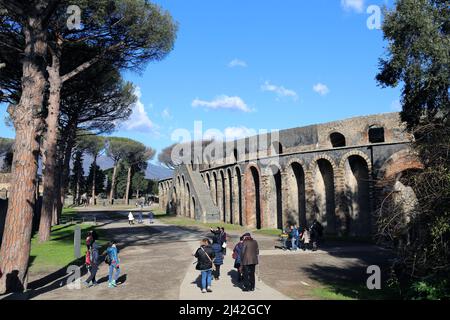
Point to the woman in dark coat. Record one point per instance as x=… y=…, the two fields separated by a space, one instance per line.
x=218 y=260
x=205 y=256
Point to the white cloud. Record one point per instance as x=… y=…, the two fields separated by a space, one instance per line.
x=139 y=119
x=353 y=5
x=223 y=102
x=166 y=115
x=279 y=90
x=237 y=63
x=321 y=89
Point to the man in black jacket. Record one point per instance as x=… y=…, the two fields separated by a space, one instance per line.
x=249 y=260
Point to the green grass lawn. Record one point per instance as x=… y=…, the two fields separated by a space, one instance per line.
x=59 y=251
x=351 y=291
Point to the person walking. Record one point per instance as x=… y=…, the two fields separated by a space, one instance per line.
x=130 y=218
x=249 y=261
x=294 y=237
x=93 y=265
x=140 y=217
x=112 y=259
x=316 y=232
x=218 y=260
x=237 y=258
x=150 y=217
x=205 y=256
x=305 y=239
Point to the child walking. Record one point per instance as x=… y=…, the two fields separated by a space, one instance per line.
x=112 y=259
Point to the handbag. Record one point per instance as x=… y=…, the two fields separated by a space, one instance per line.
x=224 y=245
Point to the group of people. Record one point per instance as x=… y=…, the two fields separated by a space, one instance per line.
x=140 y=219
x=305 y=238
x=210 y=257
x=92 y=261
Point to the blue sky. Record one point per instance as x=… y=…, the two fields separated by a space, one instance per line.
x=247 y=64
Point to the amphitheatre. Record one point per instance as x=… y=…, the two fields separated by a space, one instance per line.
x=335 y=172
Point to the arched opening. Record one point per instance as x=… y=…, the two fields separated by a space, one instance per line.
x=376 y=135
x=230 y=196
x=252 y=198
x=324 y=202
x=223 y=200
x=183 y=197
x=296 y=199
x=357 y=199
x=274 y=205
x=175 y=201
x=215 y=191
x=208 y=181
x=188 y=200
x=193 y=208
x=337 y=140
x=277 y=148
x=239 y=195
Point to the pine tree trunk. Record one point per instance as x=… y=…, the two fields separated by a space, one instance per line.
x=94 y=166
x=127 y=193
x=51 y=175
x=15 y=249
x=65 y=173
x=113 y=184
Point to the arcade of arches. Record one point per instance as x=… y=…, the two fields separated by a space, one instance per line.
x=338 y=194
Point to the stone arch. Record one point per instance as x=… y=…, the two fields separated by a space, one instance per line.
x=398 y=162
x=222 y=196
x=214 y=189
x=238 y=195
x=295 y=182
x=337 y=140
x=252 y=186
x=274 y=204
x=183 y=196
x=323 y=171
x=188 y=200
x=193 y=208
x=356 y=194
x=208 y=180
x=230 y=194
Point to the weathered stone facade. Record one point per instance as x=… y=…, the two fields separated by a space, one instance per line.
x=327 y=172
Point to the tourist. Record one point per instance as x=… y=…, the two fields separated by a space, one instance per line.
x=237 y=258
x=294 y=237
x=316 y=232
x=249 y=260
x=112 y=259
x=150 y=217
x=140 y=217
x=285 y=237
x=130 y=218
x=223 y=240
x=93 y=265
x=89 y=240
x=205 y=255
x=305 y=239
x=218 y=260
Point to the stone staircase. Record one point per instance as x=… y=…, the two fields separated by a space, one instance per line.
x=205 y=210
